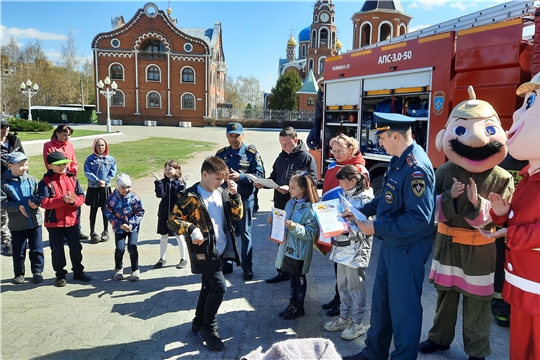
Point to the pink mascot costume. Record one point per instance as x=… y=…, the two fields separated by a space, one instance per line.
x=521 y=222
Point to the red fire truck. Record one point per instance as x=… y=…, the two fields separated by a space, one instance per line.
x=426 y=73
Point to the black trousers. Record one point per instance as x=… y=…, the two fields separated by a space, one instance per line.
x=56 y=242
x=212 y=291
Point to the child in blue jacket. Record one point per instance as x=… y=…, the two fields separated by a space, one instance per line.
x=99 y=169
x=125 y=212
x=20 y=200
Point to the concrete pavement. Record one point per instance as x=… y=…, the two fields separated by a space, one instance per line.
x=151 y=319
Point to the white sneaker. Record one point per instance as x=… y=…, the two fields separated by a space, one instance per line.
x=135 y=276
x=337 y=324
x=353 y=331
x=118 y=274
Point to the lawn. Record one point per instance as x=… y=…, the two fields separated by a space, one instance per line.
x=136 y=158
x=27 y=136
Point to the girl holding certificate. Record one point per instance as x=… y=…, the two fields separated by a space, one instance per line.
x=294 y=255
x=351 y=252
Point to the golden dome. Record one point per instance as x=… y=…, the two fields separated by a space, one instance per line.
x=169 y=11
x=291 y=41
x=338 y=44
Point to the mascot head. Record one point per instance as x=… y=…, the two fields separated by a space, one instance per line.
x=473 y=137
x=525 y=131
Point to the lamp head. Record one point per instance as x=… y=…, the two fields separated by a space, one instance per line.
x=100 y=84
x=35 y=87
x=107 y=81
x=114 y=85
x=23 y=86
x=29 y=83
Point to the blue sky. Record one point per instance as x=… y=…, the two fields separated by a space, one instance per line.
x=255 y=33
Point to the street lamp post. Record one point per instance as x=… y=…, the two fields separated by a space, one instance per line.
x=108 y=92
x=29 y=90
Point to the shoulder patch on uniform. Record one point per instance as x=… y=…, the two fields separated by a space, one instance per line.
x=411 y=160
x=417 y=175
x=418 y=186
x=221 y=150
x=252 y=150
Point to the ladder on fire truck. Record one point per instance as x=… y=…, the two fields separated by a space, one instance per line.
x=502 y=12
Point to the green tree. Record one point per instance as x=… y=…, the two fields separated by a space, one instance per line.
x=284 y=95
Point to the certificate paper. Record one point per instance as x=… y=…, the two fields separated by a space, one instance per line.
x=269 y=183
x=347 y=205
x=329 y=219
x=278 y=225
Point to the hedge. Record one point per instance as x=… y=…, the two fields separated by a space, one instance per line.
x=21 y=125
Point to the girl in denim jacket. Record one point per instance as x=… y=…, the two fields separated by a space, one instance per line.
x=294 y=255
x=99 y=169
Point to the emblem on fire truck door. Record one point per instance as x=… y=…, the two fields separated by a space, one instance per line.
x=438 y=102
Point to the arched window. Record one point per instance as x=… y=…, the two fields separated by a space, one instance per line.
x=324 y=38
x=152 y=73
x=333 y=39
x=188 y=75
x=117 y=72
x=385 y=31
x=303 y=55
x=311 y=64
x=365 y=35
x=314 y=39
x=188 y=101
x=153 y=100
x=402 y=29
x=310 y=101
x=154 y=46
x=321 y=65
x=118 y=99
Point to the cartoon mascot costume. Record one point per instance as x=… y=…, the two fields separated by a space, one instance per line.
x=521 y=222
x=464 y=260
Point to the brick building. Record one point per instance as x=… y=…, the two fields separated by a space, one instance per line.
x=164 y=72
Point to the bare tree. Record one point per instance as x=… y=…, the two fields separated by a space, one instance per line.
x=70 y=62
x=244 y=91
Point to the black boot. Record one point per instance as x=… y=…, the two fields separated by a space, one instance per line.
x=296 y=312
x=332 y=303
x=287 y=309
x=281 y=276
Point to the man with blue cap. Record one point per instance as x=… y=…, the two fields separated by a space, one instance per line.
x=404 y=222
x=241 y=160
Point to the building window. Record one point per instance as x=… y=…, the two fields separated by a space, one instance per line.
x=154 y=46
x=314 y=39
x=303 y=55
x=310 y=64
x=324 y=37
x=188 y=101
x=153 y=49
x=118 y=99
x=188 y=47
x=365 y=35
x=385 y=31
x=154 y=100
x=310 y=101
x=321 y=65
x=152 y=73
x=117 y=72
x=188 y=75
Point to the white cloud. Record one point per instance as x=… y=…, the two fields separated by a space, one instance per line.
x=29 y=33
x=460 y=5
x=427 y=4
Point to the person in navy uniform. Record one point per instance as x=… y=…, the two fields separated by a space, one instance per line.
x=241 y=160
x=404 y=223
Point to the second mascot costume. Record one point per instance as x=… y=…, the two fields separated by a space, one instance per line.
x=464 y=260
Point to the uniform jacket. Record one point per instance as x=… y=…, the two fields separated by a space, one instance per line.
x=14 y=144
x=16 y=191
x=190 y=213
x=287 y=165
x=358 y=252
x=121 y=210
x=406 y=206
x=99 y=167
x=299 y=240
x=65 y=148
x=522 y=278
x=52 y=189
x=331 y=188
x=168 y=190
x=247 y=160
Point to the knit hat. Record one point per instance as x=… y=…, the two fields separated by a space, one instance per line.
x=123 y=180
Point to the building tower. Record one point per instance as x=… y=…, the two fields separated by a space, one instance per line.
x=323 y=37
x=379 y=20
x=291 y=46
